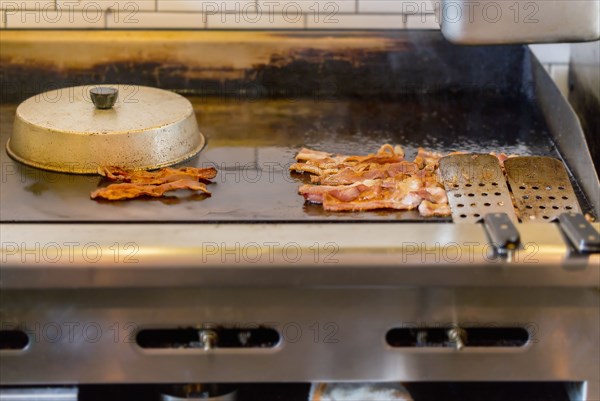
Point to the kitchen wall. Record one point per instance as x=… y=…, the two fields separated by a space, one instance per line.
x=555 y=58
x=242 y=14
x=218 y=14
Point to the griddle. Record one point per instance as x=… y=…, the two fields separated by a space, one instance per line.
x=337 y=92
x=252 y=143
x=352 y=92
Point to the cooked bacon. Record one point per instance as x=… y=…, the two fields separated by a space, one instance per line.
x=307 y=168
x=427 y=159
x=130 y=190
x=318 y=159
x=161 y=176
x=411 y=184
x=386 y=154
x=309 y=154
x=365 y=171
x=347 y=176
x=401 y=194
x=314 y=158
x=429 y=209
x=315 y=193
x=502 y=157
x=433 y=194
x=135 y=184
x=407 y=202
x=347 y=194
x=383 y=180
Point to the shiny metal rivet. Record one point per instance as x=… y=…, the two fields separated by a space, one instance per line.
x=104 y=98
x=458 y=336
x=209 y=339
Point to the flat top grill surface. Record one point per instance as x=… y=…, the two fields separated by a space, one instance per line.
x=252 y=143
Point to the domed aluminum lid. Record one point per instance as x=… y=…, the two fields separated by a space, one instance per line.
x=132 y=127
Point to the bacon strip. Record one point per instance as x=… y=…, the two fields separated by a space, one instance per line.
x=307 y=168
x=433 y=194
x=407 y=202
x=136 y=184
x=130 y=190
x=309 y=159
x=502 y=157
x=308 y=154
x=315 y=193
x=391 y=193
x=365 y=171
x=429 y=209
x=383 y=180
x=386 y=154
x=427 y=159
x=161 y=176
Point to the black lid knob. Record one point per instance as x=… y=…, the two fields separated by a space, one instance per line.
x=104 y=97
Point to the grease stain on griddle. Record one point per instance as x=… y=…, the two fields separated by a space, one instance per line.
x=394 y=65
x=37 y=188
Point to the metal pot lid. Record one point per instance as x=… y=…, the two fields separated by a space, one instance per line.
x=79 y=129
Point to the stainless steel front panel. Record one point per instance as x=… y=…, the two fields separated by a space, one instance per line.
x=240 y=255
x=328 y=334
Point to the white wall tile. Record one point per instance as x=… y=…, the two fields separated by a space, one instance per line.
x=39 y=5
x=547 y=67
x=77 y=19
x=426 y=21
x=396 y=6
x=155 y=20
x=552 y=53
x=129 y=5
x=560 y=75
x=348 y=21
x=326 y=7
x=208 y=6
x=255 y=21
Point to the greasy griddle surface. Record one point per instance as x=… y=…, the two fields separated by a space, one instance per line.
x=252 y=143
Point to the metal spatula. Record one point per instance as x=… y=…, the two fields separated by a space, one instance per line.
x=541 y=188
x=477 y=191
x=475 y=186
x=543 y=193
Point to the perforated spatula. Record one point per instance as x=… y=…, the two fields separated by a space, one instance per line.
x=543 y=193
x=477 y=192
x=476 y=186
